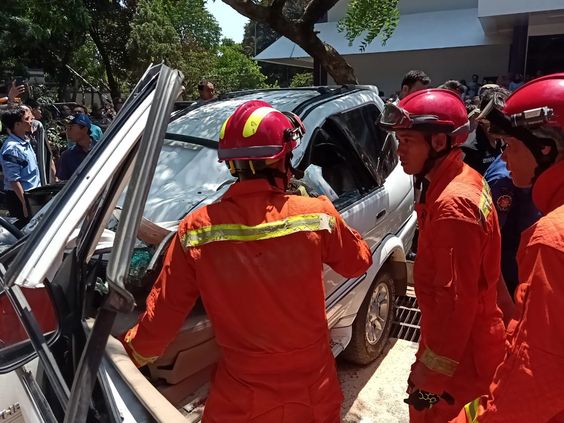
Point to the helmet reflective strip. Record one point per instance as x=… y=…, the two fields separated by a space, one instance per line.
x=222 y=131
x=275 y=229
x=253 y=121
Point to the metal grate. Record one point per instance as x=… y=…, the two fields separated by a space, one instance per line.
x=406 y=320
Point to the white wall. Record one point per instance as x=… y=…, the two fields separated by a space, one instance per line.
x=546 y=24
x=410 y=6
x=386 y=70
x=511 y=7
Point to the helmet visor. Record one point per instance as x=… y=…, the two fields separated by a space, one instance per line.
x=394 y=117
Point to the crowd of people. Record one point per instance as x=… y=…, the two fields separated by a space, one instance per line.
x=26 y=135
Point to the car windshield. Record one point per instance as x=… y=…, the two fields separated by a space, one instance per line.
x=205 y=121
x=186 y=176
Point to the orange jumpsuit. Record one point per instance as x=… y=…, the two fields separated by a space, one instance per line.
x=456 y=274
x=256 y=259
x=529 y=385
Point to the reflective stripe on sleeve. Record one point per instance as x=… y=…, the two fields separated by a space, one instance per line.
x=275 y=229
x=438 y=363
x=471 y=410
x=140 y=360
x=486 y=202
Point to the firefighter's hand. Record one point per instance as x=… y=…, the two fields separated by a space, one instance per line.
x=422 y=400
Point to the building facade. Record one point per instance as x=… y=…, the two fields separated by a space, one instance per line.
x=448 y=39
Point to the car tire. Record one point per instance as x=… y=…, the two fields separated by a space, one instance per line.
x=373 y=322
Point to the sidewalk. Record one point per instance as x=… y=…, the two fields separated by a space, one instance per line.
x=375 y=393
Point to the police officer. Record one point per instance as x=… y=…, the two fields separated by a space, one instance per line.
x=514 y=205
x=19 y=163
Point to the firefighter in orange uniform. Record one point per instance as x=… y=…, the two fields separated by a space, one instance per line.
x=256 y=260
x=528 y=387
x=458 y=258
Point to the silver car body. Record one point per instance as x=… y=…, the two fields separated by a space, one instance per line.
x=384 y=216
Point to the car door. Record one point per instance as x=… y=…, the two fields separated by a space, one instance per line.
x=47 y=257
x=342 y=162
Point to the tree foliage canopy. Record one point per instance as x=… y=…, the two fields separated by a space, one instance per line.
x=370 y=18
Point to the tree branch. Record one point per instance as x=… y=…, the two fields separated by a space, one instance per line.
x=277 y=6
x=315 y=10
x=249 y=9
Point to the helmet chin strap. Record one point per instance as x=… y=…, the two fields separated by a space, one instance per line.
x=430 y=161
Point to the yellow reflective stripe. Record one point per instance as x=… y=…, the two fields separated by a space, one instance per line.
x=222 y=130
x=139 y=359
x=276 y=229
x=438 y=363
x=471 y=410
x=254 y=120
x=486 y=202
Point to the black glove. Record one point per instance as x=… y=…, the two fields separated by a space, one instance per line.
x=421 y=400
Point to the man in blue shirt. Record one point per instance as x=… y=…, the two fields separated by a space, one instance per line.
x=78 y=132
x=19 y=163
x=95 y=131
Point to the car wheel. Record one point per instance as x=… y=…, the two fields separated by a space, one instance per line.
x=371 y=327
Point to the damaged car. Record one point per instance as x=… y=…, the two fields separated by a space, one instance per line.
x=78 y=274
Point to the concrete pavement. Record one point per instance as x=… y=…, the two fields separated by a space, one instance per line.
x=375 y=393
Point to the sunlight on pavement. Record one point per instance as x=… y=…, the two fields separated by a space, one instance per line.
x=375 y=393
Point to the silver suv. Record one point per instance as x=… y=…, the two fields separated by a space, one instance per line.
x=83 y=253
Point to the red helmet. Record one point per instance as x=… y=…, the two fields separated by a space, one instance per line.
x=433 y=110
x=538 y=102
x=256 y=131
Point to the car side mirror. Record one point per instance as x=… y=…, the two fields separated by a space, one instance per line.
x=16 y=348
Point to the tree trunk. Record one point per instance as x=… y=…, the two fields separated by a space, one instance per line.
x=300 y=32
x=329 y=58
x=113 y=85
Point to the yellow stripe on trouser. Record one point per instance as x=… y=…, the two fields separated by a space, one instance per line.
x=471 y=410
x=276 y=229
x=438 y=363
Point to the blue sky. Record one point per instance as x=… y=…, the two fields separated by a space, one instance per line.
x=231 y=22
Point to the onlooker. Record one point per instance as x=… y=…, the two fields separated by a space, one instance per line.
x=516 y=82
x=19 y=163
x=414 y=80
x=66 y=111
x=473 y=86
x=455 y=86
x=13 y=93
x=37 y=129
x=206 y=90
x=95 y=131
x=481 y=148
x=78 y=132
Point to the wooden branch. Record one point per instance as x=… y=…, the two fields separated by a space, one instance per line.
x=249 y=9
x=277 y=6
x=315 y=10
